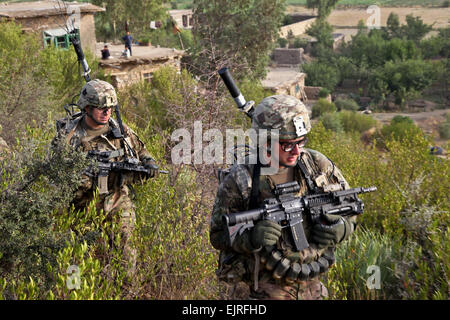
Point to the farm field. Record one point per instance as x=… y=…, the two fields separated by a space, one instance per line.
x=350 y=17
x=393 y=3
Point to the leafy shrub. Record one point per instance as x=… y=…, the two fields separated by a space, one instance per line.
x=346 y=104
x=331 y=121
x=298 y=43
x=400 y=128
x=347 y=121
x=36 y=182
x=282 y=42
x=323 y=93
x=322 y=106
x=356 y=122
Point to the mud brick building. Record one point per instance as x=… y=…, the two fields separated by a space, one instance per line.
x=49 y=18
x=285 y=80
x=183 y=18
x=139 y=67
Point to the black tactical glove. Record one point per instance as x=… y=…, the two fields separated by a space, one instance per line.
x=150 y=164
x=335 y=230
x=265 y=233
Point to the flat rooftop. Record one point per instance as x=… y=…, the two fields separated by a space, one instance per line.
x=43 y=8
x=276 y=77
x=141 y=54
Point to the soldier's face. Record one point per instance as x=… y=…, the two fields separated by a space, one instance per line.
x=289 y=151
x=101 y=115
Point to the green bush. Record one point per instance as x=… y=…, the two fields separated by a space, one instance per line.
x=282 y=42
x=348 y=121
x=331 y=121
x=299 y=43
x=356 y=122
x=322 y=106
x=323 y=93
x=400 y=128
x=346 y=104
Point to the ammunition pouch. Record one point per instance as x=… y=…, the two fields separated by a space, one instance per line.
x=231 y=268
x=292 y=271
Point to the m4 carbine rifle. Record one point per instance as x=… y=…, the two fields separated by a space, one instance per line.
x=288 y=210
x=105 y=165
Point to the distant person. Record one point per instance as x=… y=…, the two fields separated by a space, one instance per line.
x=128 y=39
x=105 y=53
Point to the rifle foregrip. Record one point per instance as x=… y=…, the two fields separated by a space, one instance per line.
x=243 y=217
x=231 y=85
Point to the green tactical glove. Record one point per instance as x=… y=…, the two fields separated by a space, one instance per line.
x=265 y=233
x=335 y=230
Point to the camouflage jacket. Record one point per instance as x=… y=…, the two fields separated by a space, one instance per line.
x=115 y=194
x=234 y=196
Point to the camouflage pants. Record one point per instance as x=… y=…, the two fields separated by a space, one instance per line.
x=121 y=209
x=305 y=290
x=269 y=290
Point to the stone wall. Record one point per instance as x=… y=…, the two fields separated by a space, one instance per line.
x=292 y=89
x=283 y=56
x=129 y=73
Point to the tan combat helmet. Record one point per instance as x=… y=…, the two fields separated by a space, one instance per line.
x=97 y=93
x=285 y=113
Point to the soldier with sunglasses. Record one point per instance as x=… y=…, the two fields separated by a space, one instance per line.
x=241 y=271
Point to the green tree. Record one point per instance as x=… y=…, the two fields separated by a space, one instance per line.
x=323 y=32
x=238 y=34
x=324 y=7
x=319 y=74
x=111 y=23
x=393 y=26
x=404 y=78
x=415 y=29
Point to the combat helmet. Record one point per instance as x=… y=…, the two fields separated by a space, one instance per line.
x=285 y=113
x=97 y=93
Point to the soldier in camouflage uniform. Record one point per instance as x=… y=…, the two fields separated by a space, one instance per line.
x=96 y=130
x=259 y=257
